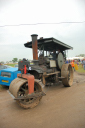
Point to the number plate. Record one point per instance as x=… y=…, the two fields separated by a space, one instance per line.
x=6 y=81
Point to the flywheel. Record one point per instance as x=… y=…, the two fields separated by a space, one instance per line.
x=19 y=88
x=67 y=73
x=60 y=60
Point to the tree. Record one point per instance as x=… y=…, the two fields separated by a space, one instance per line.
x=2 y=62
x=81 y=55
x=19 y=59
x=15 y=60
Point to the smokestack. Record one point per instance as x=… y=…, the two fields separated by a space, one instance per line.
x=34 y=46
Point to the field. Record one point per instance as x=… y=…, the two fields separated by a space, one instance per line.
x=62 y=107
x=80 y=69
x=1 y=87
x=11 y=64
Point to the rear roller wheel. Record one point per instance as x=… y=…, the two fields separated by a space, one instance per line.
x=22 y=90
x=67 y=72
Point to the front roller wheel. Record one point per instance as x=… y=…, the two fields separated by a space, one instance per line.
x=67 y=72
x=22 y=90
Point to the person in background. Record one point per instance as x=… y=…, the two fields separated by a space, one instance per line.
x=67 y=62
x=76 y=65
x=84 y=63
x=53 y=55
x=77 y=62
x=72 y=64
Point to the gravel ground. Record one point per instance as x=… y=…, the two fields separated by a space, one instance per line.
x=62 y=107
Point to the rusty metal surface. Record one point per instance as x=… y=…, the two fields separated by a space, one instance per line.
x=67 y=72
x=30 y=79
x=33 y=95
x=32 y=102
x=19 y=87
x=15 y=85
x=34 y=47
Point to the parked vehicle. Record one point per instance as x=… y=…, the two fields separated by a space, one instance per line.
x=4 y=67
x=8 y=75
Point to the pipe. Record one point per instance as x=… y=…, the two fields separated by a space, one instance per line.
x=34 y=46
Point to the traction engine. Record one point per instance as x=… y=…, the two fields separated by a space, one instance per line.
x=45 y=69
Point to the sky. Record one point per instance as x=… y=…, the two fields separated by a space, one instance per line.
x=61 y=12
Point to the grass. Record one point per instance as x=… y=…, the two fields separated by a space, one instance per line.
x=1 y=87
x=11 y=64
x=80 y=69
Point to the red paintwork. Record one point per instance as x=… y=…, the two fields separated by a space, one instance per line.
x=25 y=69
x=30 y=79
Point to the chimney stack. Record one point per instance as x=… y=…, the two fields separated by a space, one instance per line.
x=34 y=46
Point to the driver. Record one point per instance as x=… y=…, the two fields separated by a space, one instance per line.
x=54 y=55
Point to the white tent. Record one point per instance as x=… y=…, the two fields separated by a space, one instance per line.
x=75 y=58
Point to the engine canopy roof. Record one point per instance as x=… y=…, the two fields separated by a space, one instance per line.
x=49 y=44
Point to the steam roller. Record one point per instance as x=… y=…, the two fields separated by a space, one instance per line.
x=48 y=67
x=26 y=90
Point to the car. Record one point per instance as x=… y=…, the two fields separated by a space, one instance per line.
x=8 y=75
x=4 y=67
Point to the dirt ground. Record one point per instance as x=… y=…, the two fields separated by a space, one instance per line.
x=62 y=107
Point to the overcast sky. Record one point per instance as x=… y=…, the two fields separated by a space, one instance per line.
x=15 y=12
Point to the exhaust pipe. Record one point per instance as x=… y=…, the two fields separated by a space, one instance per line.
x=34 y=46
